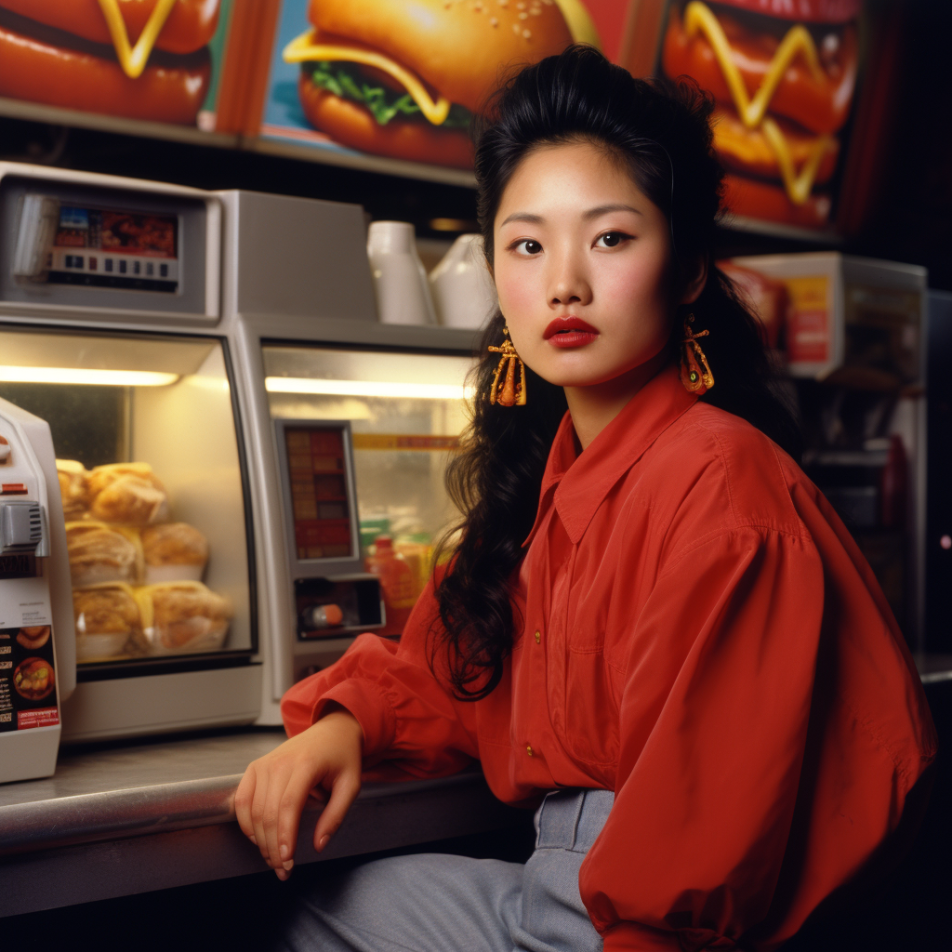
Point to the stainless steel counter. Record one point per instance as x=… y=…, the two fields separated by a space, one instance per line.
x=127 y=819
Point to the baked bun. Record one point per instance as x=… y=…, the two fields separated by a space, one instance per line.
x=74 y=487
x=128 y=493
x=182 y=617
x=353 y=126
x=174 y=551
x=107 y=621
x=459 y=48
x=101 y=553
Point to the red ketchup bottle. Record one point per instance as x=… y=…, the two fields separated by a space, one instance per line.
x=894 y=486
x=396 y=580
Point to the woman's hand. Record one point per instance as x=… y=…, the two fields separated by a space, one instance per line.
x=274 y=789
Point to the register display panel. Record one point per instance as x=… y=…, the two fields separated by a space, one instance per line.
x=113 y=248
x=315 y=457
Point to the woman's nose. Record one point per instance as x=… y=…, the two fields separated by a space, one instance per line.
x=568 y=284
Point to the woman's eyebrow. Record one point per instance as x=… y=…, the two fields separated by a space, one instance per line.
x=523 y=216
x=606 y=209
x=588 y=216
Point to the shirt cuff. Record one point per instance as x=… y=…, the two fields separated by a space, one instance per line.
x=369 y=705
x=633 y=937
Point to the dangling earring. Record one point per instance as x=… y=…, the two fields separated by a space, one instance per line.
x=695 y=372
x=511 y=393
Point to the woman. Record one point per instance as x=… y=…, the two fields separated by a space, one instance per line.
x=652 y=615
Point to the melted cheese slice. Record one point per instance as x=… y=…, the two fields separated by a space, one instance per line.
x=306 y=48
x=133 y=59
x=698 y=18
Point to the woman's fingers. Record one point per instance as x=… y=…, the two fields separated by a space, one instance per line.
x=243 y=797
x=346 y=786
x=290 y=808
x=259 y=811
x=272 y=794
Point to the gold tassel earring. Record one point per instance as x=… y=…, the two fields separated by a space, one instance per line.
x=511 y=392
x=695 y=372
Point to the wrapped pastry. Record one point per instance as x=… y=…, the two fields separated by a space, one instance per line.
x=107 y=621
x=74 y=487
x=102 y=553
x=174 y=551
x=129 y=493
x=182 y=616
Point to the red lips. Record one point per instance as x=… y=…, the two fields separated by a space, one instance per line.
x=570 y=332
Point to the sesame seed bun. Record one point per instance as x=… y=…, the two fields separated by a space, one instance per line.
x=460 y=48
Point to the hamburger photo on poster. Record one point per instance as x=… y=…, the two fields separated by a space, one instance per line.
x=403 y=78
x=783 y=74
x=135 y=59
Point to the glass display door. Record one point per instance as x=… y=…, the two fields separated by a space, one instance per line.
x=150 y=474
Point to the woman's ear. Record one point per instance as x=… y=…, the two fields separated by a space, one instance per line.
x=695 y=282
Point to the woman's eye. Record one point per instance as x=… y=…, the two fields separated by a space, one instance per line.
x=611 y=239
x=527 y=247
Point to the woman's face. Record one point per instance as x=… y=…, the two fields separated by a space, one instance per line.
x=582 y=267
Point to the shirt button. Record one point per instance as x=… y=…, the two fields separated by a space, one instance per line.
x=528 y=750
x=538 y=637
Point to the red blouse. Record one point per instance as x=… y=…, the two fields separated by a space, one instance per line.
x=702 y=636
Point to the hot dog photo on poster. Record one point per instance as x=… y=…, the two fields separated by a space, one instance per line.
x=784 y=76
x=151 y=60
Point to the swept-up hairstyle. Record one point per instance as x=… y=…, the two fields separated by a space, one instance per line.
x=661 y=133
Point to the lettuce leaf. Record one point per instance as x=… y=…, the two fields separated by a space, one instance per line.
x=383 y=103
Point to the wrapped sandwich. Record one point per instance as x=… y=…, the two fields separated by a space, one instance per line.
x=182 y=617
x=102 y=553
x=74 y=487
x=173 y=552
x=107 y=622
x=128 y=493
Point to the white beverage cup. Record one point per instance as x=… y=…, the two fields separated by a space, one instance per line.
x=461 y=286
x=403 y=295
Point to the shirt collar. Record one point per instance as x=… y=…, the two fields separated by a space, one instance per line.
x=580 y=482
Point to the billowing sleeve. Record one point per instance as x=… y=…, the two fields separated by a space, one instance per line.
x=712 y=736
x=412 y=725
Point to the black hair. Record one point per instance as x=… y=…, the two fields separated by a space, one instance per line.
x=661 y=132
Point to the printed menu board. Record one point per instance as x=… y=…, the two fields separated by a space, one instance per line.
x=402 y=78
x=27 y=679
x=157 y=60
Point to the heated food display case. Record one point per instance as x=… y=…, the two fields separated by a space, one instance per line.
x=250 y=464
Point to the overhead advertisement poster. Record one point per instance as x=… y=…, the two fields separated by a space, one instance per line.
x=401 y=79
x=784 y=76
x=155 y=60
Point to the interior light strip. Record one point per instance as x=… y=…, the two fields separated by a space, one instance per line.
x=367 y=388
x=98 y=378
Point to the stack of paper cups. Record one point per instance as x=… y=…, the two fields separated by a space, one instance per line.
x=403 y=295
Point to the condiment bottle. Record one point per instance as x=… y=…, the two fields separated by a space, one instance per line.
x=397 y=582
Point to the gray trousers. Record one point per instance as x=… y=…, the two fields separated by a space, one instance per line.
x=432 y=902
